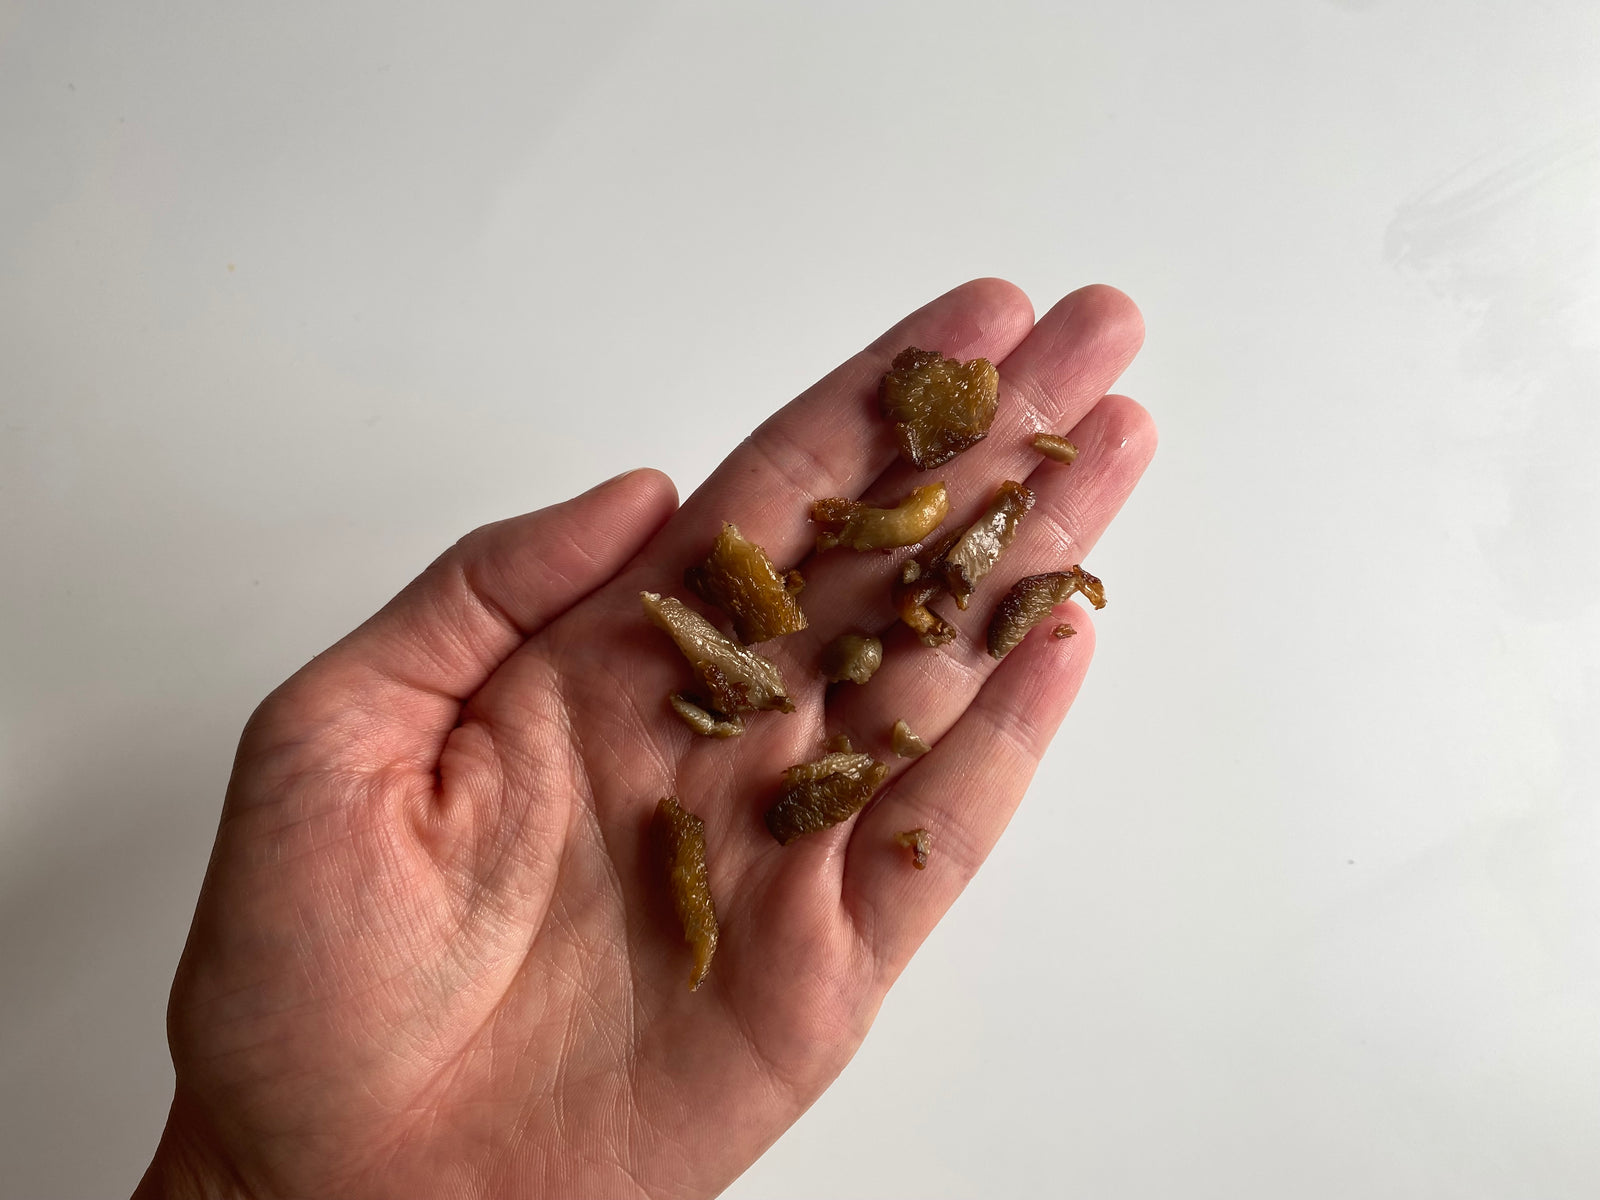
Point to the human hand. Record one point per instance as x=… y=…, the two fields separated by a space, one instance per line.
x=433 y=955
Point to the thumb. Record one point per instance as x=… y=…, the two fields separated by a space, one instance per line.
x=439 y=640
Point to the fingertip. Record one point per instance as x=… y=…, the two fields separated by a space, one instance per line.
x=649 y=492
x=1110 y=309
x=1130 y=427
x=1004 y=299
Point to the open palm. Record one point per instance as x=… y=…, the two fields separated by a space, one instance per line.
x=434 y=955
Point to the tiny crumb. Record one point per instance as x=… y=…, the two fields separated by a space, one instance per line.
x=919 y=842
x=1063 y=631
x=839 y=743
x=230 y=266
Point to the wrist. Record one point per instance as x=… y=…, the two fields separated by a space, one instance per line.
x=184 y=1167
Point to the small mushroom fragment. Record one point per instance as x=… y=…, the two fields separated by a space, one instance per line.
x=852 y=656
x=820 y=794
x=1063 y=631
x=919 y=842
x=939 y=406
x=702 y=720
x=843 y=522
x=681 y=839
x=1032 y=599
x=740 y=579
x=918 y=583
x=1054 y=446
x=839 y=743
x=977 y=550
x=738 y=679
x=907 y=744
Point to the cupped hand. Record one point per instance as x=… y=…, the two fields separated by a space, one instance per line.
x=433 y=955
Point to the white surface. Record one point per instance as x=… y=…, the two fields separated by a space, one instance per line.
x=1306 y=899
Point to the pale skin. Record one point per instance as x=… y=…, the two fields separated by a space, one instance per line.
x=433 y=955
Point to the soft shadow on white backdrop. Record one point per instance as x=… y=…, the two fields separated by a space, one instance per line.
x=1306 y=899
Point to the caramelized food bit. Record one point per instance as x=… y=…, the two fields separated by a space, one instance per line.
x=1031 y=600
x=739 y=680
x=978 y=549
x=907 y=744
x=852 y=656
x=702 y=721
x=681 y=837
x=1054 y=446
x=851 y=523
x=818 y=795
x=740 y=579
x=939 y=406
x=1063 y=631
x=919 y=582
x=839 y=743
x=919 y=842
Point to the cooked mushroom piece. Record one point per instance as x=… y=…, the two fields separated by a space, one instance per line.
x=738 y=679
x=1032 y=599
x=702 y=720
x=740 y=579
x=917 y=584
x=907 y=744
x=939 y=406
x=1063 y=631
x=977 y=550
x=681 y=839
x=843 y=522
x=852 y=656
x=820 y=794
x=1054 y=446
x=919 y=842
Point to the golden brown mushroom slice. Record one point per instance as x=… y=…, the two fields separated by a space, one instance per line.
x=939 y=406
x=1054 y=446
x=852 y=656
x=738 y=679
x=740 y=579
x=907 y=744
x=919 y=842
x=820 y=794
x=976 y=551
x=1032 y=599
x=704 y=721
x=843 y=522
x=681 y=837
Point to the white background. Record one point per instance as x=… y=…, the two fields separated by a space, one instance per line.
x=1305 y=901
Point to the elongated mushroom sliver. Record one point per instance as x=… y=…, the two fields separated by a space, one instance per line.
x=939 y=406
x=1032 y=600
x=739 y=578
x=738 y=679
x=681 y=838
x=843 y=522
x=820 y=794
x=978 y=548
x=852 y=656
x=703 y=721
x=1054 y=446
